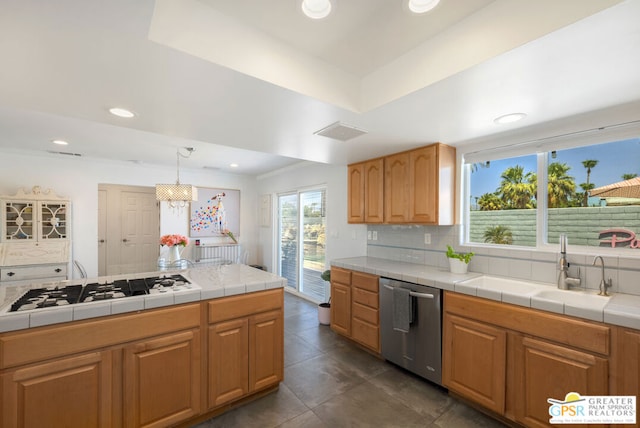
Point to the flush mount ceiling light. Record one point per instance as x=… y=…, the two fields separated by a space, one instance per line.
x=177 y=195
x=121 y=112
x=59 y=142
x=340 y=131
x=316 y=9
x=233 y=165
x=422 y=6
x=509 y=118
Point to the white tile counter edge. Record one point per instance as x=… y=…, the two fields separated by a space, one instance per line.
x=622 y=309
x=213 y=282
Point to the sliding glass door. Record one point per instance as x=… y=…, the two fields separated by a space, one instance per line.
x=301 y=249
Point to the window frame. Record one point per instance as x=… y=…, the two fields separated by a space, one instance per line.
x=542 y=150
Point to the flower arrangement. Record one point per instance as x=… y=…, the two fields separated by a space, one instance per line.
x=171 y=240
x=230 y=235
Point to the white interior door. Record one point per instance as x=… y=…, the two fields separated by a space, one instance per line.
x=132 y=229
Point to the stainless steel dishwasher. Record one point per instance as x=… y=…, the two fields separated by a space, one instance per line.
x=419 y=350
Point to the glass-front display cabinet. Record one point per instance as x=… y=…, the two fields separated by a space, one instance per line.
x=35 y=237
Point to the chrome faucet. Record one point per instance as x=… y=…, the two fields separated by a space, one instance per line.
x=603 y=284
x=564 y=280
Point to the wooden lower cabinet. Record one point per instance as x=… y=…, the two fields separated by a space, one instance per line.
x=511 y=359
x=548 y=370
x=475 y=366
x=75 y=392
x=354 y=307
x=162 y=380
x=341 y=308
x=627 y=363
x=246 y=353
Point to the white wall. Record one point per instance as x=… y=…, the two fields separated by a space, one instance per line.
x=78 y=179
x=343 y=239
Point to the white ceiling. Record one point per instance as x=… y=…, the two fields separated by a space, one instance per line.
x=250 y=81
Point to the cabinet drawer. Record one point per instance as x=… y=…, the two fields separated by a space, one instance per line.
x=340 y=275
x=227 y=308
x=366 y=334
x=21 y=273
x=365 y=281
x=365 y=297
x=365 y=313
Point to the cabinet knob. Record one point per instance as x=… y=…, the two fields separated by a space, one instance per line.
x=101 y=241
x=10 y=273
x=58 y=270
x=125 y=240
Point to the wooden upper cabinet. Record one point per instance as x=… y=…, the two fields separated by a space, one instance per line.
x=366 y=192
x=432 y=185
x=415 y=187
x=396 y=188
x=356 y=199
x=374 y=191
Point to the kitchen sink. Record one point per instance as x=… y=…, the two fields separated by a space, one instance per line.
x=583 y=299
x=500 y=284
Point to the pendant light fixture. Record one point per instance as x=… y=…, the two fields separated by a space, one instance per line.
x=177 y=195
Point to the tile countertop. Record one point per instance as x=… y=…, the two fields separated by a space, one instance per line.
x=211 y=282
x=621 y=309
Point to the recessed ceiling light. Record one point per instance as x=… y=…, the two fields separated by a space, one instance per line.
x=316 y=9
x=233 y=165
x=422 y=6
x=509 y=118
x=60 y=142
x=121 y=112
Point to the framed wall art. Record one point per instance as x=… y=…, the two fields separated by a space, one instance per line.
x=215 y=212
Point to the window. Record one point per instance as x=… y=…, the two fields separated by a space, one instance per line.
x=591 y=193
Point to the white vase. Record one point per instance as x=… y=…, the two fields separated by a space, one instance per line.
x=174 y=254
x=457 y=266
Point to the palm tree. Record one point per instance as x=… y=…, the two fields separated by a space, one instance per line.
x=589 y=164
x=586 y=187
x=498 y=235
x=560 y=185
x=629 y=176
x=517 y=189
x=489 y=202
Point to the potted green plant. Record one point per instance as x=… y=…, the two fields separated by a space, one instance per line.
x=458 y=262
x=324 y=309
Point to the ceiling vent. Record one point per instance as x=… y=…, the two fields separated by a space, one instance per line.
x=64 y=153
x=340 y=131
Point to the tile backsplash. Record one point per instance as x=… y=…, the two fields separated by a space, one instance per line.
x=427 y=245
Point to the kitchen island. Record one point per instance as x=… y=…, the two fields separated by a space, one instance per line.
x=154 y=360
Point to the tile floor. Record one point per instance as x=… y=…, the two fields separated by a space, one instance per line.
x=330 y=382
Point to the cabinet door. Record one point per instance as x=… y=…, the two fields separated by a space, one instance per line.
x=396 y=188
x=628 y=362
x=341 y=308
x=474 y=361
x=18 y=221
x=162 y=380
x=546 y=370
x=228 y=361
x=266 y=350
x=356 y=199
x=423 y=185
x=374 y=191
x=52 y=220
x=73 y=392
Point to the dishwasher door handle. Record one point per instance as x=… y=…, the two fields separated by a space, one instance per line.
x=421 y=295
x=413 y=293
